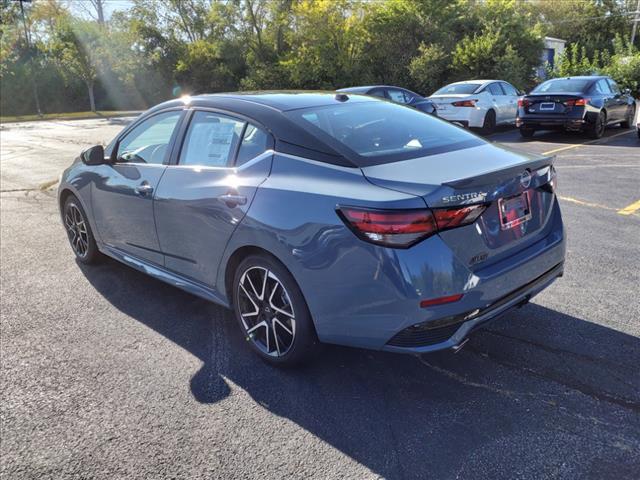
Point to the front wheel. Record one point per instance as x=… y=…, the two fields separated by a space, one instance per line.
x=628 y=121
x=79 y=232
x=272 y=312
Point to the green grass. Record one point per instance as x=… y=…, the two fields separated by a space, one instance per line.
x=65 y=116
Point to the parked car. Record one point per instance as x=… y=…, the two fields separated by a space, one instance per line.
x=321 y=217
x=478 y=103
x=586 y=104
x=397 y=95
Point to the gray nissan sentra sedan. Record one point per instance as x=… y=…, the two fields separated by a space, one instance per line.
x=321 y=217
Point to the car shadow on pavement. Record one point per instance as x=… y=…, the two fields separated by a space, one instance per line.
x=529 y=388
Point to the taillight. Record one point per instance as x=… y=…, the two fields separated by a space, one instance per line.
x=523 y=102
x=465 y=103
x=576 y=102
x=403 y=228
x=392 y=228
x=456 y=217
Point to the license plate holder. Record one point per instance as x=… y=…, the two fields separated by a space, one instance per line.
x=547 y=106
x=514 y=210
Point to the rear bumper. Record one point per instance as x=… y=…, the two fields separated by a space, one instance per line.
x=466 y=116
x=551 y=122
x=452 y=332
x=377 y=308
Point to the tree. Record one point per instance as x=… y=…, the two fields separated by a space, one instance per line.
x=591 y=23
x=326 y=44
x=506 y=44
x=403 y=36
x=77 y=48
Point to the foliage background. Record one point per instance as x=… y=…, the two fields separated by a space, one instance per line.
x=158 y=49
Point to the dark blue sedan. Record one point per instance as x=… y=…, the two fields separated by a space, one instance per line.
x=397 y=95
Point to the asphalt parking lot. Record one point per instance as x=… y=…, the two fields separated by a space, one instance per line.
x=109 y=373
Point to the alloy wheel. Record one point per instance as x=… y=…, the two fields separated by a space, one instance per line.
x=77 y=230
x=266 y=311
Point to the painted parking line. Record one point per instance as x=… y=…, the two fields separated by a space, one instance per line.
x=586 y=204
x=630 y=209
x=598 y=141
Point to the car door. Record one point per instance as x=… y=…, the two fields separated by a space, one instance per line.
x=207 y=190
x=122 y=194
x=618 y=108
x=499 y=100
x=511 y=102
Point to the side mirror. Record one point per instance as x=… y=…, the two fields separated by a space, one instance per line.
x=627 y=91
x=94 y=156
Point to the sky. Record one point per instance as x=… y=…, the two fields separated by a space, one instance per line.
x=82 y=7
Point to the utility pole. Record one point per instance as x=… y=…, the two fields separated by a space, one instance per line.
x=27 y=38
x=635 y=23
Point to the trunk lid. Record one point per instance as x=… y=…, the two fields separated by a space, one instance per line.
x=550 y=103
x=443 y=102
x=488 y=174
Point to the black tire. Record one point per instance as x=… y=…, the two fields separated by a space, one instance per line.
x=527 y=132
x=81 y=238
x=301 y=345
x=631 y=115
x=489 y=124
x=597 y=129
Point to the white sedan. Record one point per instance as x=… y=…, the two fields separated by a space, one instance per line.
x=478 y=103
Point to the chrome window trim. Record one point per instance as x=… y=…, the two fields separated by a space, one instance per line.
x=253 y=161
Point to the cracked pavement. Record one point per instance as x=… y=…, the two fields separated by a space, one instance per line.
x=107 y=373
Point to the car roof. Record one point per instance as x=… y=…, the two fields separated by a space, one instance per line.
x=267 y=109
x=287 y=99
x=581 y=77
x=481 y=81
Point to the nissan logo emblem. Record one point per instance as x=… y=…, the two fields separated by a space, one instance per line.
x=525 y=179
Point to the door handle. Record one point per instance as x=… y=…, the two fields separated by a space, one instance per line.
x=233 y=200
x=144 y=189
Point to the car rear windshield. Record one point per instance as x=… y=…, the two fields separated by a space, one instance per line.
x=458 y=88
x=371 y=133
x=562 y=85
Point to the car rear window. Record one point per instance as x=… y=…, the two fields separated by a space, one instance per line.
x=562 y=85
x=372 y=133
x=457 y=88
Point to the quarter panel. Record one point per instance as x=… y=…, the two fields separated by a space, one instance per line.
x=293 y=216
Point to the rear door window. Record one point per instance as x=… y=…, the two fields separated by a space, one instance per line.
x=378 y=92
x=601 y=86
x=509 y=89
x=254 y=142
x=614 y=86
x=495 y=89
x=398 y=96
x=211 y=140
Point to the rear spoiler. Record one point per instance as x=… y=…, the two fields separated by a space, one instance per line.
x=500 y=174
